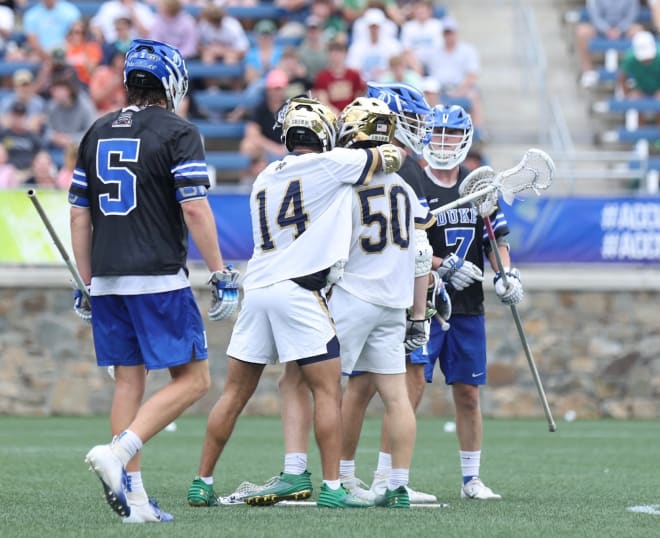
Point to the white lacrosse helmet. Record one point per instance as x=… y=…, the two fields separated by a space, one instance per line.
x=451 y=137
x=366 y=121
x=307 y=122
x=410 y=108
x=152 y=64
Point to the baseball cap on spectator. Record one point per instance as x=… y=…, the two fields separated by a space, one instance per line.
x=374 y=17
x=644 y=47
x=18 y=108
x=265 y=26
x=23 y=76
x=276 y=78
x=58 y=55
x=449 y=24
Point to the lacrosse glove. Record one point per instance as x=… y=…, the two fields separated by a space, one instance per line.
x=81 y=305
x=513 y=292
x=443 y=303
x=224 y=292
x=417 y=334
x=458 y=272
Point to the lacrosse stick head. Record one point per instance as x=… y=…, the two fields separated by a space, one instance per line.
x=535 y=172
x=481 y=180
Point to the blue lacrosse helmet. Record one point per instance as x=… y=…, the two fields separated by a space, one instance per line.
x=451 y=137
x=162 y=61
x=410 y=109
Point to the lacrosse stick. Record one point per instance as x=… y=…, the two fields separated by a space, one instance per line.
x=32 y=194
x=482 y=186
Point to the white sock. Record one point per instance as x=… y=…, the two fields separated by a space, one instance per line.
x=208 y=480
x=384 y=463
x=136 y=493
x=398 y=477
x=126 y=445
x=346 y=469
x=295 y=463
x=470 y=463
x=333 y=484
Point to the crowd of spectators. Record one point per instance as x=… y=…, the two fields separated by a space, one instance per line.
x=330 y=48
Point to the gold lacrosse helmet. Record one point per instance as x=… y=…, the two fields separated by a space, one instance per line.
x=308 y=122
x=367 y=121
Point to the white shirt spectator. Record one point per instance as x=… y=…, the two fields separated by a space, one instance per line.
x=140 y=13
x=360 y=26
x=423 y=34
x=450 y=68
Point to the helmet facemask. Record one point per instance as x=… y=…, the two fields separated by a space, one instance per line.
x=450 y=137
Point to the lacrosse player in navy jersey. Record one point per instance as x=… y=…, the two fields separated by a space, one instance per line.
x=301 y=222
x=138 y=187
x=459 y=242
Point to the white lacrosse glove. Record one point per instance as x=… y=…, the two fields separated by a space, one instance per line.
x=81 y=304
x=391 y=158
x=224 y=291
x=458 y=272
x=417 y=334
x=513 y=293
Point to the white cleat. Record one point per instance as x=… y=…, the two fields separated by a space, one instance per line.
x=419 y=497
x=476 y=489
x=359 y=489
x=149 y=512
x=110 y=471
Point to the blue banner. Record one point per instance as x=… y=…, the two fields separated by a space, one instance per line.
x=543 y=230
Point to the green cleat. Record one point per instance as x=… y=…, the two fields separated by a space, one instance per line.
x=397 y=498
x=340 y=498
x=201 y=494
x=287 y=487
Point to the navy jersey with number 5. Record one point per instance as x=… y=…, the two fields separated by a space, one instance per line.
x=138 y=225
x=461 y=231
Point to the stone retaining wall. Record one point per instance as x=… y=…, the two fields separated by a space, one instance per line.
x=597 y=354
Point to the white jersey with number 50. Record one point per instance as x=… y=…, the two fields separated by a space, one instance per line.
x=381 y=260
x=301 y=213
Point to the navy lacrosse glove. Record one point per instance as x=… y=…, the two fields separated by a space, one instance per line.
x=224 y=291
x=513 y=292
x=81 y=305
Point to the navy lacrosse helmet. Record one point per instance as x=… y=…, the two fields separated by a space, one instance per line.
x=153 y=64
x=451 y=137
x=410 y=109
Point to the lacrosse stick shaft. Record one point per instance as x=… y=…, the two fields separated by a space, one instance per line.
x=463 y=200
x=32 y=194
x=521 y=331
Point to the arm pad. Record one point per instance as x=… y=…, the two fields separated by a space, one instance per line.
x=424 y=256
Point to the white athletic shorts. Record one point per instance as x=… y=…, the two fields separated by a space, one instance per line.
x=281 y=322
x=370 y=336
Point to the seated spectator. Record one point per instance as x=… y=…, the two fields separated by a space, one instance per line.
x=7 y=23
x=610 y=19
x=21 y=143
x=54 y=67
x=25 y=93
x=43 y=171
x=265 y=54
x=125 y=36
x=259 y=133
x=337 y=85
x=295 y=71
x=140 y=14
x=371 y=55
x=175 y=26
x=431 y=89
x=69 y=114
x=65 y=174
x=456 y=68
x=295 y=13
x=106 y=87
x=400 y=72
x=46 y=25
x=8 y=176
x=221 y=37
x=314 y=48
x=353 y=12
x=82 y=52
x=421 y=36
x=639 y=73
x=332 y=23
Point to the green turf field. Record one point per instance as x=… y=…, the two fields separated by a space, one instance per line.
x=575 y=482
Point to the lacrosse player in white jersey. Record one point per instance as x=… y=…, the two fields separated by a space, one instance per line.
x=301 y=222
